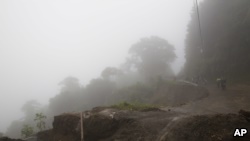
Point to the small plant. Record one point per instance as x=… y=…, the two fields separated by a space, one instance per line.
x=27 y=131
x=40 y=121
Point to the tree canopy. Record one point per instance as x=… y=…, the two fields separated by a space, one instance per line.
x=152 y=57
x=226 y=35
x=70 y=84
x=110 y=72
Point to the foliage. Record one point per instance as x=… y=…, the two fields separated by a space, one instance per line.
x=30 y=108
x=134 y=106
x=40 y=121
x=27 y=131
x=98 y=90
x=135 y=93
x=225 y=27
x=70 y=84
x=110 y=72
x=151 y=57
x=71 y=92
x=78 y=99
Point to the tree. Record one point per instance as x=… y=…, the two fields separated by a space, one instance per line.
x=69 y=99
x=225 y=28
x=70 y=84
x=30 y=108
x=111 y=72
x=152 y=57
x=40 y=121
x=98 y=90
x=27 y=131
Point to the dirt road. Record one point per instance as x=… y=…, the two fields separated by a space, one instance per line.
x=230 y=100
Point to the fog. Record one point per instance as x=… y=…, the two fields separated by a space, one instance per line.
x=42 y=42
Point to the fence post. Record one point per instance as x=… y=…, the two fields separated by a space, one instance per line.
x=82 y=138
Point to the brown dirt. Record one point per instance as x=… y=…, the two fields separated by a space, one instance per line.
x=8 y=139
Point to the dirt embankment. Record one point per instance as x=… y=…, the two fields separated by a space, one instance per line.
x=105 y=124
x=8 y=139
x=203 y=117
x=192 y=121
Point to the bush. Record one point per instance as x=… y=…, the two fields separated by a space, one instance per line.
x=134 y=106
x=27 y=131
x=40 y=119
x=135 y=93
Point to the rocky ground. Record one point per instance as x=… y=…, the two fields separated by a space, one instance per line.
x=107 y=124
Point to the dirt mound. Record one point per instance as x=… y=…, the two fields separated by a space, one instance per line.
x=206 y=128
x=8 y=139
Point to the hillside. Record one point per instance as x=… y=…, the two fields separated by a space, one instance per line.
x=211 y=118
x=155 y=125
x=226 y=39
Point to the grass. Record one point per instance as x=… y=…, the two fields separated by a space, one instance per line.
x=135 y=106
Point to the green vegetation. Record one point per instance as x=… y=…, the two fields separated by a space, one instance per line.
x=138 y=92
x=40 y=119
x=134 y=106
x=27 y=131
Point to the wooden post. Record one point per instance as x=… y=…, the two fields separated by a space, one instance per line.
x=82 y=137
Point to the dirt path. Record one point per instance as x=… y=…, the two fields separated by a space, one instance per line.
x=228 y=101
x=214 y=113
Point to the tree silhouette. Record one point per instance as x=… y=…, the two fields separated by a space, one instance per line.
x=152 y=57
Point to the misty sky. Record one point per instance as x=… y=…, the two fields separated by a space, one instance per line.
x=42 y=42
